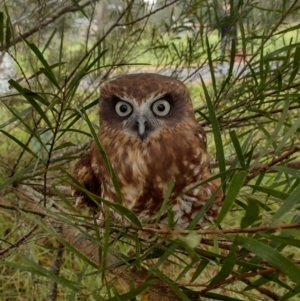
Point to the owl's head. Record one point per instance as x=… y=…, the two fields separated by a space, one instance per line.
x=143 y=104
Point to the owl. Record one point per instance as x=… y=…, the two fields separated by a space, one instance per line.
x=150 y=136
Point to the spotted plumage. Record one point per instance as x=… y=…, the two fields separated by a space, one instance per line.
x=150 y=135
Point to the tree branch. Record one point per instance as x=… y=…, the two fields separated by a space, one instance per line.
x=55 y=268
x=147 y=15
x=262 y=169
x=45 y=23
x=20 y=241
x=258 y=51
x=240 y=277
x=221 y=232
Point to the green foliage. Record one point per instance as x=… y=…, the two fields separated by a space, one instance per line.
x=250 y=112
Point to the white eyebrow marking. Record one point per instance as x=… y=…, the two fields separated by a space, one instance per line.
x=142 y=108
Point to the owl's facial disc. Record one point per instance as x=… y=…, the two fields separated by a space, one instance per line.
x=141 y=120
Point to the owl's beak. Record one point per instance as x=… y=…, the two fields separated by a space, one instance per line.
x=141 y=123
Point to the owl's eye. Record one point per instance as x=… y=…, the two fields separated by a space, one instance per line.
x=161 y=107
x=123 y=108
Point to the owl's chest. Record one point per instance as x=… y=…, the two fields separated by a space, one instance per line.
x=145 y=172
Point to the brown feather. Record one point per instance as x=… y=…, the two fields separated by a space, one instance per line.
x=84 y=173
x=174 y=149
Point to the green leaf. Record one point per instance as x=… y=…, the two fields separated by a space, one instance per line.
x=287 y=170
x=234 y=188
x=63 y=131
x=133 y=291
x=275 y=133
x=171 y=284
x=269 y=191
x=105 y=159
x=1 y=28
x=252 y=213
x=288 y=135
x=203 y=210
x=289 y=295
x=63 y=145
x=201 y=266
x=238 y=149
x=17 y=176
x=272 y=256
x=162 y=208
x=95 y=61
x=287 y=30
x=34 y=268
x=287 y=206
x=49 y=40
x=214 y=296
x=229 y=74
x=216 y=132
x=210 y=64
x=62 y=240
x=37 y=73
x=288 y=241
x=123 y=211
x=296 y=64
x=31 y=100
x=21 y=144
x=77 y=114
x=261 y=281
x=8 y=33
x=169 y=251
x=47 y=69
x=80 y=8
x=84 y=71
x=191 y=239
x=17 y=117
x=228 y=265
x=80 y=277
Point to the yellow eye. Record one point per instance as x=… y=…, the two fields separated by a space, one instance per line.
x=123 y=108
x=161 y=107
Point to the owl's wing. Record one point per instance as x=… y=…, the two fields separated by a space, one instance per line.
x=83 y=173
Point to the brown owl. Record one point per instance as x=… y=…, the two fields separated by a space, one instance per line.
x=150 y=135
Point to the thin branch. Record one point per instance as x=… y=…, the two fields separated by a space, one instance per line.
x=114 y=25
x=20 y=241
x=55 y=133
x=262 y=169
x=258 y=51
x=66 y=191
x=55 y=268
x=294 y=164
x=272 y=295
x=30 y=194
x=45 y=23
x=147 y=15
x=35 y=198
x=98 y=43
x=158 y=291
x=257 y=96
x=70 y=151
x=239 y=277
x=14 y=208
x=222 y=232
x=251 y=117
